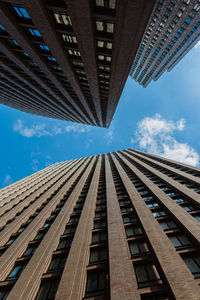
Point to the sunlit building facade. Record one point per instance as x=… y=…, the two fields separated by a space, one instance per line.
x=123 y=225
x=172 y=31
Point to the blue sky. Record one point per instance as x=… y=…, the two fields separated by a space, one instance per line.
x=162 y=119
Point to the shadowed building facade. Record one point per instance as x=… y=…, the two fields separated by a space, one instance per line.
x=69 y=59
x=172 y=31
x=123 y=225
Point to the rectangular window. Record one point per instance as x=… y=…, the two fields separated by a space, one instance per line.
x=146 y=274
x=2 y=28
x=64 y=243
x=102 y=25
x=34 y=32
x=69 y=38
x=30 y=250
x=15 y=273
x=96 y=282
x=104 y=44
x=167 y=225
x=159 y=213
x=193 y=263
x=133 y=231
x=179 y=241
x=21 y=11
x=99 y=236
x=138 y=248
x=63 y=19
x=44 y=47
x=57 y=263
x=129 y=219
x=106 y=3
x=98 y=255
x=48 y=290
x=99 y=224
x=40 y=235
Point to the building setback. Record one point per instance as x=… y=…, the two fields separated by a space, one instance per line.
x=69 y=59
x=173 y=29
x=120 y=226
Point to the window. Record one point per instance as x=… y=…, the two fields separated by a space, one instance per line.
x=133 y=231
x=4 y=294
x=104 y=44
x=188 y=208
x=167 y=225
x=151 y=205
x=159 y=213
x=30 y=250
x=102 y=25
x=146 y=274
x=179 y=240
x=99 y=224
x=193 y=263
x=57 y=263
x=99 y=236
x=48 y=290
x=99 y=214
x=197 y=217
x=98 y=255
x=2 y=28
x=129 y=219
x=69 y=38
x=138 y=248
x=15 y=273
x=51 y=58
x=34 y=32
x=69 y=230
x=64 y=244
x=106 y=3
x=44 y=47
x=96 y=281
x=40 y=235
x=63 y=19
x=21 y=11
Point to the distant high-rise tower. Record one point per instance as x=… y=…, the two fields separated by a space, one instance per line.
x=173 y=29
x=119 y=226
x=69 y=59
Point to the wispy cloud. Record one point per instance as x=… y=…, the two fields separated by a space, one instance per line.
x=77 y=128
x=155 y=135
x=38 y=130
x=7 y=180
x=109 y=136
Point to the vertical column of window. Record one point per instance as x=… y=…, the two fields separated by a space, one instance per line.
x=15 y=235
x=66 y=34
x=21 y=262
x=182 y=200
x=182 y=241
x=147 y=270
x=98 y=268
x=104 y=43
x=36 y=198
x=50 y=280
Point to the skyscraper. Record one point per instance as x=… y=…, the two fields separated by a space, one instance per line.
x=124 y=225
x=69 y=59
x=172 y=31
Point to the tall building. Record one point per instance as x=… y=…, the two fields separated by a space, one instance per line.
x=172 y=31
x=69 y=59
x=120 y=226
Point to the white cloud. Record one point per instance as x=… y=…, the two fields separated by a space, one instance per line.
x=77 y=128
x=155 y=136
x=197 y=45
x=35 y=165
x=38 y=130
x=109 y=136
x=7 y=180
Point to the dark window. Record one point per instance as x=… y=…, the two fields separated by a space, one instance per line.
x=34 y=32
x=98 y=255
x=138 y=248
x=99 y=236
x=57 y=263
x=99 y=224
x=179 y=240
x=30 y=250
x=167 y=225
x=48 y=290
x=39 y=235
x=15 y=273
x=193 y=263
x=129 y=219
x=64 y=243
x=146 y=274
x=133 y=231
x=96 y=281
